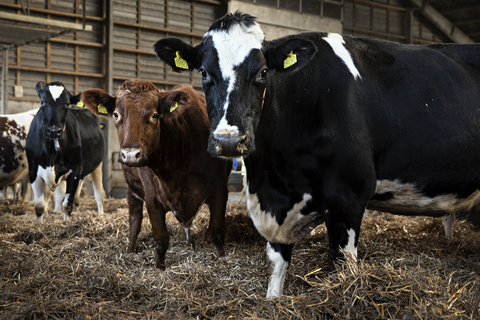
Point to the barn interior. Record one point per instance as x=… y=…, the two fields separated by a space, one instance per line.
x=79 y=269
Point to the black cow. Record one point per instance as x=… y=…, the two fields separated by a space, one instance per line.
x=64 y=143
x=330 y=125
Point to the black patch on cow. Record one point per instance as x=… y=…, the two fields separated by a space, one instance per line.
x=230 y=19
x=386 y=196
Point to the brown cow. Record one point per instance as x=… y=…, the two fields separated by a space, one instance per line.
x=163 y=138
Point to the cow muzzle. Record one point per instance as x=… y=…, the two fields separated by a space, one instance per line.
x=227 y=145
x=54 y=132
x=132 y=157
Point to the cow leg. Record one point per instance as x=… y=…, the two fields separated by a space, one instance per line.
x=135 y=217
x=76 y=199
x=24 y=184
x=280 y=256
x=343 y=232
x=217 y=203
x=59 y=194
x=448 y=225
x=41 y=197
x=98 y=187
x=67 y=204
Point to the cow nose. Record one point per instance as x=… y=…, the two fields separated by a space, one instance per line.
x=229 y=145
x=54 y=132
x=132 y=157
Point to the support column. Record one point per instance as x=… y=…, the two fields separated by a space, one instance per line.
x=4 y=82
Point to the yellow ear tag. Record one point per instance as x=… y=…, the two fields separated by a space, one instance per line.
x=175 y=106
x=80 y=104
x=290 y=61
x=180 y=62
x=102 y=109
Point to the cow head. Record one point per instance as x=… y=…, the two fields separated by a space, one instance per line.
x=235 y=61
x=138 y=109
x=54 y=103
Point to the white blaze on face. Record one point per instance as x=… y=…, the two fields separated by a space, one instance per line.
x=338 y=45
x=233 y=46
x=55 y=91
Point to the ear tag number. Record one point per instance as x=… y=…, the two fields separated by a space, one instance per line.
x=102 y=109
x=173 y=107
x=180 y=62
x=80 y=104
x=290 y=61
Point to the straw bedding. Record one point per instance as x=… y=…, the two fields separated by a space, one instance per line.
x=79 y=269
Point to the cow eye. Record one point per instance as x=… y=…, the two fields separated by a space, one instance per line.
x=116 y=115
x=203 y=72
x=263 y=74
x=155 y=115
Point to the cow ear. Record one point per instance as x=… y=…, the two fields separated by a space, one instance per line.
x=98 y=102
x=75 y=99
x=179 y=55
x=289 y=55
x=174 y=104
x=39 y=87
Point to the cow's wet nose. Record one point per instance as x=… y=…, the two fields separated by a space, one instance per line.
x=132 y=157
x=54 y=132
x=229 y=145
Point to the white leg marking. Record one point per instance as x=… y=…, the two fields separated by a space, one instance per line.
x=64 y=204
x=277 y=279
x=59 y=193
x=55 y=91
x=38 y=187
x=448 y=225
x=350 y=248
x=338 y=45
x=187 y=234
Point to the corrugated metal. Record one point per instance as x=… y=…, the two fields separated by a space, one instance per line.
x=86 y=83
x=180 y=15
x=29 y=80
x=151 y=68
x=34 y=55
x=125 y=65
x=125 y=10
x=62 y=57
x=125 y=37
x=90 y=60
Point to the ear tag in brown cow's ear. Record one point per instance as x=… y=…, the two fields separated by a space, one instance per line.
x=173 y=107
x=290 y=61
x=102 y=109
x=80 y=104
x=180 y=62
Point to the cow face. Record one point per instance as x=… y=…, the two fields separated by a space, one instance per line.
x=139 y=109
x=54 y=101
x=235 y=62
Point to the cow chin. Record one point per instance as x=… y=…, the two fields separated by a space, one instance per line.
x=228 y=146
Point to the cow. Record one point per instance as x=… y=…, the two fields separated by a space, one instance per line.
x=163 y=138
x=13 y=160
x=329 y=125
x=64 y=144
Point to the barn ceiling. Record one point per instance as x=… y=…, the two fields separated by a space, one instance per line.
x=457 y=19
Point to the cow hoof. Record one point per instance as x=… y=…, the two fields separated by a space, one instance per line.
x=220 y=252
x=66 y=217
x=40 y=219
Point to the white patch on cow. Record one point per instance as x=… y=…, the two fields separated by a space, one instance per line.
x=408 y=199
x=55 y=91
x=59 y=193
x=64 y=204
x=267 y=225
x=224 y=128
x=350 y=247
x=338 y=45
x=233 y=46
x=277 y=279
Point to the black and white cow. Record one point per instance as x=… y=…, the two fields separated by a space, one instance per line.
x=13 y=160
x=64 y=143
x=329 y=125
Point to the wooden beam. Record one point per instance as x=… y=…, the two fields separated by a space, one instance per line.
x=442 y=23
x=43 y=21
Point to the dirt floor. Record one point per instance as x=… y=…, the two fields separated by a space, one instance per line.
x=79 y=269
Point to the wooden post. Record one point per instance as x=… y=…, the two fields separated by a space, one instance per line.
x=4 y=81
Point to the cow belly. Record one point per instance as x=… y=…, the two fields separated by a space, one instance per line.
x=295 y=226
x=405 y=198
